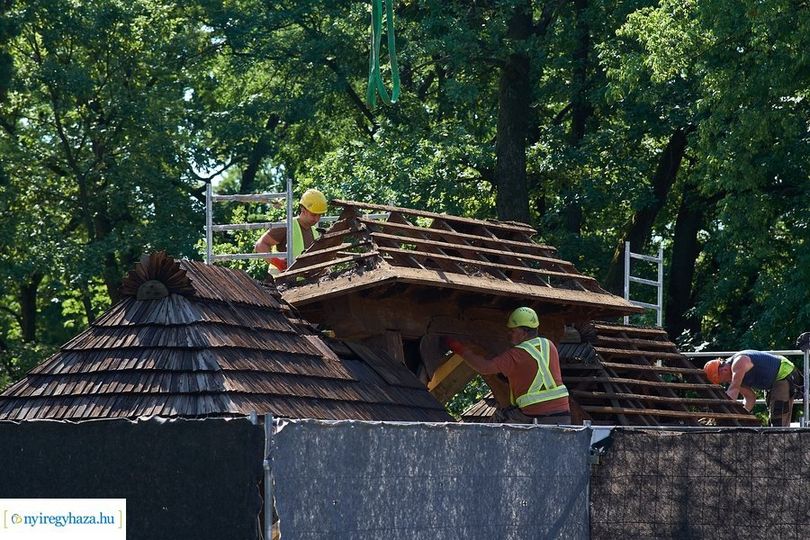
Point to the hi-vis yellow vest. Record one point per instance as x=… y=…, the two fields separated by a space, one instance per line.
x=297 y=245
x=298 y=238
x=543 y=387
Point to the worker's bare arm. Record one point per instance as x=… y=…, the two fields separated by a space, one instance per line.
x=749 y=397
x=265 y=243
x=739 y=367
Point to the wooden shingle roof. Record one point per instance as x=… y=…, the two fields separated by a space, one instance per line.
x=429 y=250
x=632 y=375
x=209 y=341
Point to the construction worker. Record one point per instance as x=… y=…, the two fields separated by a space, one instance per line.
x=751 y=370
x=532 y=368
x=312 y=207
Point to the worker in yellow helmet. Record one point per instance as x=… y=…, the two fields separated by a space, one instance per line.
x=312 y=207
x=532 y=367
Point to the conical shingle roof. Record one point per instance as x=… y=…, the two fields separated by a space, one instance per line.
x=193 y=340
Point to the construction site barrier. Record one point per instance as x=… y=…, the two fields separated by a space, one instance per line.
x=724 y=483
x=373 y=480
x=388 y=480
x=180 y=478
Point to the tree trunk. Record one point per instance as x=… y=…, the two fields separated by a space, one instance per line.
x=640 y=229
x=685 y=250
x=581 y=112
x=581 y=108
x=28 y=307
x=111 y=272
x=257 y=154
x=88 y=305
x=514 y=101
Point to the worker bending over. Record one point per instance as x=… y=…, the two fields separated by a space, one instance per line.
x=312 y=207
x=751 y=370
x=532 y=368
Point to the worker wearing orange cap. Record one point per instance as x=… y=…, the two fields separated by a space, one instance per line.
x=751 y=370
x=532 y=367
x=312 y=207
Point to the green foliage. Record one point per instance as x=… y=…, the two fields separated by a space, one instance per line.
x=19 y=358
x=118 y=111
x=475 y=390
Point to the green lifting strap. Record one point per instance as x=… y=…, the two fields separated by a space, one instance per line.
x=375 y=83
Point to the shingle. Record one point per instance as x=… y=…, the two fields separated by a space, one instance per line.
x=223 y=347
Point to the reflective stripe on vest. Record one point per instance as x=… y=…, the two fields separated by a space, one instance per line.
x=543 y=387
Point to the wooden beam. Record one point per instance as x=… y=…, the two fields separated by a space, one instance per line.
x=500 y=389
x=644 y=397
x=512 y=227
x=660 y=412
x=645 y=367
x=645 y=354
x=498 y=252
x=640 y=382
x=309 y=258
x=629 y=330
x=285 y=276
x=607 y=340
x=450 y=378
x=487 y=264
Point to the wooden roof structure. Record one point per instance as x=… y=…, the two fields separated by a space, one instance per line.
x=633 y=375
x=193 y=340
x=414 y=251
x=397 y=282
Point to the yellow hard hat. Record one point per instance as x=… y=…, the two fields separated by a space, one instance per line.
x=523 y=317
x=314 y=201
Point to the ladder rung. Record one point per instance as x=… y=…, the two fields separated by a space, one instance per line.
x=254 y=197
x=644 y=281
x=243 y=256
x=644 y=257
x=248 y=226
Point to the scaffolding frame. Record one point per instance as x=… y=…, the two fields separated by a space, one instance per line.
x=211 y=227
x=658 y=284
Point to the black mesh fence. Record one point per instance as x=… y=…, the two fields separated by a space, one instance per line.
x=721 y=484
x=375 y=481
x=181 y=479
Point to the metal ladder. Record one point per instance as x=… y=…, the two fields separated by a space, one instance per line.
x=658 y=284
x=211 y=228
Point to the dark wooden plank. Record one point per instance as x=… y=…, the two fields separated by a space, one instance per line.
x=477 y=250
x=661 y=412
x=654 y=398
x=422 y=213
x=607 y=327
x=641 y=382
x=636 y=353
x=487 y=264
x=286 y=276
x=641 y=343
x=312 y=257
x=499 y=245
x=647 y=367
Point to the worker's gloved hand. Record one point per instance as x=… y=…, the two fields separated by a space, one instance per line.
x=803 y=342
x=281 y=264
x=455 y=345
